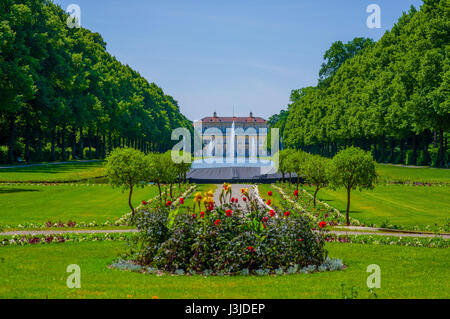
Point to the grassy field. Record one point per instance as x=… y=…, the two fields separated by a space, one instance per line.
x=78 y=202
x=400 y=204
x=53 y=172
x=40 y=272
x=413 y=174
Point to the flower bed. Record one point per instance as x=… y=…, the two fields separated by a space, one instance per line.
x=430 y=242
x=304 y=202
x=20 y=240
x=222 y=239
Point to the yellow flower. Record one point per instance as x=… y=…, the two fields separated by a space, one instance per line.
x=210 y=194
x=198 y=197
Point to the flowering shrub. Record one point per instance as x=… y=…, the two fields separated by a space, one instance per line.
x=226 y=240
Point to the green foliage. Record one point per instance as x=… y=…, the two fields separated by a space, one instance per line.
x=352 y=168
x=126 y=168
x=389 y=98
x=316 y=172
x=60 y=87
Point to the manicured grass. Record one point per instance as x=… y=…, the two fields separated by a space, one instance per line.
x=77 y=202
x=413 y=174
x=402 y=205
x=275 y=198
x=53 y=172
x=40 y=272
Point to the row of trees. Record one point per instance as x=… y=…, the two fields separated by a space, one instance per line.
x=62 y=95
x=351 y=168
x=389 y=97
x=129 y=168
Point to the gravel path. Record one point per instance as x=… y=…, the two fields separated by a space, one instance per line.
x=101 y=231
x=235 y=192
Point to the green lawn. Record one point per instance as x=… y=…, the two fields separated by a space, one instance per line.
x=413 y=174
x=53 y=172
x=78 y=202
x=401 y=204
x=40 y=272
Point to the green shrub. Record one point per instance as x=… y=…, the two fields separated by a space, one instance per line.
x=3 y=154
x=225 y=244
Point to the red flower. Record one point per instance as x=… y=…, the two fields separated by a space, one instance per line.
x=202 y=214
x=322 y=224
x=269 y=193
x=181 y=200
x=296 y=193
x=217 y=222
x=236 y=200
x=194 y=215
x=300 y=239
x=244 y=199
x=211 y=206
x=144 y=202
x=232 y=199
x=269 y=202
x=272 y=213
x=229 y=212
x=169 y=203
x=251 y=249
x=287 y=214
x=265 y=219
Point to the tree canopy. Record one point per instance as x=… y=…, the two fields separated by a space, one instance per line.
x=390 y=97
x=63 y=96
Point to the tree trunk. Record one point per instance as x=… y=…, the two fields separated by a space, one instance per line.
x=53 y=144
x=81 y=144
x=63 y=143
x=315 y=195
x=27 y=141
x=348 y=206
x=12 y=138
x=129 y=201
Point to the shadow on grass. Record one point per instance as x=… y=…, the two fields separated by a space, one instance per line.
x=17 y=190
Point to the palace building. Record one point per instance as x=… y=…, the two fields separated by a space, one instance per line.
x=248 y=133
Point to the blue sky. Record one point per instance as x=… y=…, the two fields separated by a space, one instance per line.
x=212 y=55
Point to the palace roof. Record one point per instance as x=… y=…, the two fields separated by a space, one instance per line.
x=231 y=119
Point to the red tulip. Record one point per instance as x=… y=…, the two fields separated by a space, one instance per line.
x=272 y=213
x=244 y=199
x=217 y=222
x=181 y=200
x=287 y=214
x=322 y=224
x=229 y=212
x=269 y=202
x=202 y=214
x=169 y=203
x=296 y=193
x=269 y=193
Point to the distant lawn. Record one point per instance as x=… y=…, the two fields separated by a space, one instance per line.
x=426 y=174
x=53 y=172
x=40 y=272
x=79 y=202
x=401 y=204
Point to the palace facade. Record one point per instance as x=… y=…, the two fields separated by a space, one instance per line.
x=248 y=133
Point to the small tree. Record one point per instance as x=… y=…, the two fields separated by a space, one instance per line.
x=125 y=168
x=296 y=164
x=283 y=162
x=156 y=170
x=352 y=168
x=316 y=172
